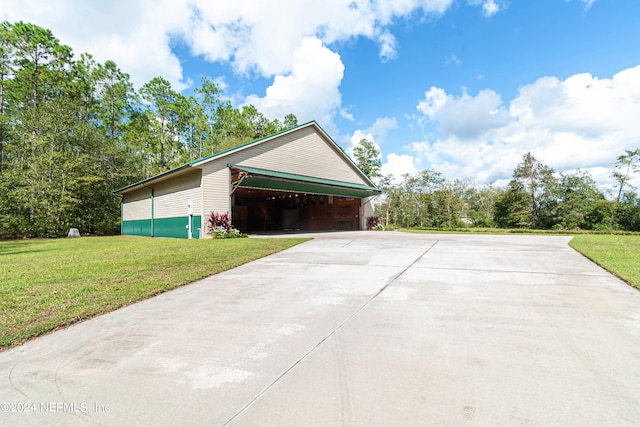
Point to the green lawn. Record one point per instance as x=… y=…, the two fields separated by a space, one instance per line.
x=618 y=254
x=48 y=284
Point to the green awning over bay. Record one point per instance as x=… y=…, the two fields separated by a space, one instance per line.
x=250 y=177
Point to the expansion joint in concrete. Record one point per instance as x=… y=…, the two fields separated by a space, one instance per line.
x=332 y=333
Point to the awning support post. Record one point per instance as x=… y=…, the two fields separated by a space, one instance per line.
x=235 y=185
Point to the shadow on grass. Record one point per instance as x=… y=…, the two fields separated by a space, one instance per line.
x=16 y=247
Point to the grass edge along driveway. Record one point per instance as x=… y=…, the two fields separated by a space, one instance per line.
x=47 y=284
x=618 y=254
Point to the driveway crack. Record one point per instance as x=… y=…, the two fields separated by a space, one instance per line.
x=13 y=385
x=329 y=335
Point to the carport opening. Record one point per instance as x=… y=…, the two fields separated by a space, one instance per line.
x=256 y=210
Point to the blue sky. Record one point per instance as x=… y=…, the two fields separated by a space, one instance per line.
x=465 y=87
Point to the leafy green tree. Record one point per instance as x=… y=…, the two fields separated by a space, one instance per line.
x=116 y=95
x=84 y=77
x=255 y=124
x=418 y=199
x=628 y=212
x=229 y=130
x=194 y=129
x=621 y=213
x=210 y=102
x=139 y=145
x=59 y=170
x=7 y=46
x=425 y=199
x=40 y=115
x=446 y=204
x=368 y=158
x=383 y=207
x=577 y=195
x=290 y=121
x=538 y=182
x=626 y=166
x=480 y=204
x=42 y=63
x=164 y=108
x=513 y=207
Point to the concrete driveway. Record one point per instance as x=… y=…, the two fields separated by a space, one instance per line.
x=358 y=328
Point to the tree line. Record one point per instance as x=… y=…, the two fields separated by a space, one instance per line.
x=74 y=130
x=536 y=197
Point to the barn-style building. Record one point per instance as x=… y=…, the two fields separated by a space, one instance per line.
x=298 y=179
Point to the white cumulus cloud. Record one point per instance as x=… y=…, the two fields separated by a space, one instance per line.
x=398 y=165
x=466 y=117
x=254 y=37
x=375 y=133
x=434 y=99
x=490 y=7
x=135 y=34
x=581 y=122
x=316 y=75
x=387 y=46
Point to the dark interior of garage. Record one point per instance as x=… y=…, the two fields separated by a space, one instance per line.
x=256 y=210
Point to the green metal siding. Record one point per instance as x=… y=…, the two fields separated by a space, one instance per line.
x=196 y=223
x=139 y=227
x=163 y=227
x=171 y=227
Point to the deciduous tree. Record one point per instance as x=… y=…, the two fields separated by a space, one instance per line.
x=367 y=157
x=626 y=166
x=537 y=181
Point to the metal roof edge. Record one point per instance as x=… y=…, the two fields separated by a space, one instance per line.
x=306 y=178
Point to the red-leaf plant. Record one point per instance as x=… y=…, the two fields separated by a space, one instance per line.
x=220 y=220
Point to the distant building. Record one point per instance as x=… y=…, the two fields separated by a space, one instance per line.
x=298 y=179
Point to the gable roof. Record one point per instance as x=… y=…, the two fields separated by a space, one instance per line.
x=215 y=156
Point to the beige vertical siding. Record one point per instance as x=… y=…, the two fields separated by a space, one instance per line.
x=136 y=204
x=216 y=179
x=172 y=196
x=202 y=212
x=304 y=152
